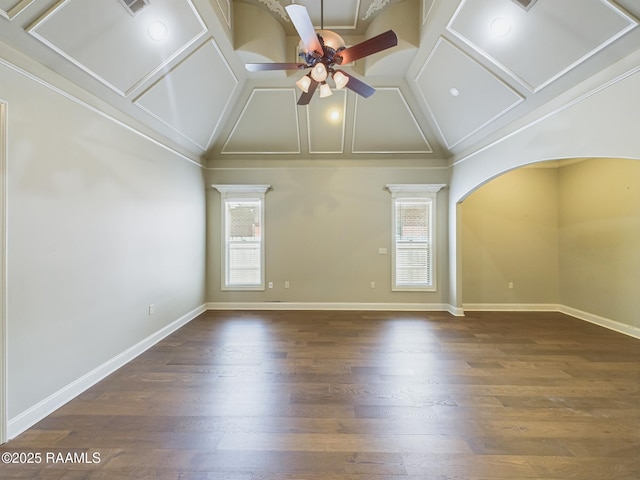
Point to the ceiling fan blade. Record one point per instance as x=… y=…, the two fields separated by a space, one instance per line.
x=262 y=67
x=301 y=20
x=373 y=45
x=358 y=86
x=305 y=98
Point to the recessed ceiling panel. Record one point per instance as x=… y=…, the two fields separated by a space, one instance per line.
x=325 y=121
x=511 y=37
x=337 y=13
x=193 y=96
x=384 y=123
x=116 y=48
x=351 y=17
x=461 y=94
x=268 y=124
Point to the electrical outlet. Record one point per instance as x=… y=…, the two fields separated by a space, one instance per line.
x=286 y=284
x=510 y=284
x=270 y=284
x=373 y=284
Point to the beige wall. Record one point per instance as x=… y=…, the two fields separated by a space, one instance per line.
x=599 y=205
x=510 y=234
x=567 y=236
x=102 y=222
x=594 y=119
x=324 y=226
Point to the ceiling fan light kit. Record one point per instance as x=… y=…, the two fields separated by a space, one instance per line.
x=319 y=72
x=304 y=83
x=322 y=51
x=341 y=79
x=325 y=90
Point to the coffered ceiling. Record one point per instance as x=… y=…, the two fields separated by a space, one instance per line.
x=463 y=69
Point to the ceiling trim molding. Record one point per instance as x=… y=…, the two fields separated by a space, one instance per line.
x=97 y=111
x=449 y=146
x=632 y=23
x=427 y=5
x=203 y=148
x=14 y=11
x=226 y=12
x=231 y=96
x=354 y=24
x=343 y=129
x=429 y=149
x=32 y=30
x=461 y=159
x=353 y=164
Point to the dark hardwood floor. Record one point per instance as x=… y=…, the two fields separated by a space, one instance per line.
x=356 y=396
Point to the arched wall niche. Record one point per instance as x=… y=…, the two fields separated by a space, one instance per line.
x=600 y=122
x=555 y=235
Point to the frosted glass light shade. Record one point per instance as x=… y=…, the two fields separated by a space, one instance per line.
x=341 y=80
x=304 y=83
x=331 y=39
x=325 y=90
x=319 y=72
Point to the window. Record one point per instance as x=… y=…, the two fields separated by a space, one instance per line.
x=243 y=236
x=413 y=237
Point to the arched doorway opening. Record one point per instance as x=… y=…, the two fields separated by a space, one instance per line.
x=559 y=236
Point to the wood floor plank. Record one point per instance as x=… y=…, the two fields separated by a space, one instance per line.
x=341 y=442
x=357 y=396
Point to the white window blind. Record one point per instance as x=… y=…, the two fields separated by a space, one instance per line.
x=243 y=250
x=413 y=243
x=243 y=239
x=413 y=236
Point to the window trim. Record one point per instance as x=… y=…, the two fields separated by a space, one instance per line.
x=230 y=193
x=416 y=192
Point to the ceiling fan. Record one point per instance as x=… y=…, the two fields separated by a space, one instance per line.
x=322 y=52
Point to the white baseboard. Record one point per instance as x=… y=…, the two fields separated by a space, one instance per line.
x=31 y=416
x=407 y=307
x=601 y=321
x=550 y=307
x=510 y=307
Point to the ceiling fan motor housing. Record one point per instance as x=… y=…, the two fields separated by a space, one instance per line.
x=331 y=43
x=321 y=51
